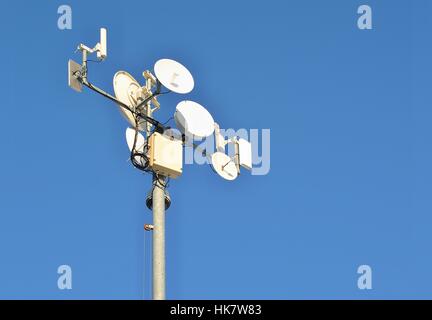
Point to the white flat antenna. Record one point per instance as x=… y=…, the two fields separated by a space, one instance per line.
x=102 y=45
x=100 y=48
x=74 y=69
x=245 y=154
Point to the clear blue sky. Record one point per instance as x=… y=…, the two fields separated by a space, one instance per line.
x=350 y=181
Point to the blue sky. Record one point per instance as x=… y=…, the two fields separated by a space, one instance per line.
x=349 y=113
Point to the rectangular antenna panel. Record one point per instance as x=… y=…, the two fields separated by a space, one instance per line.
x=73 y=82
x=166 y=155
x=245 y=154
x=102 y=52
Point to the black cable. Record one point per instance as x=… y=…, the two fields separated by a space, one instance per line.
x=137 y=115
x=142 y=155
x=152 y=121
x=157 y=182
x=172 y=118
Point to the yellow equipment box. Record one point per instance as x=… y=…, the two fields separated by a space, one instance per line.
x=165 y=155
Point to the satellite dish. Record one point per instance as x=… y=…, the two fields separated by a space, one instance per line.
x=125 y=87
x=130 y=138
x=224 y=166
x=139 y=146
x=193 y=119
x=174 y=76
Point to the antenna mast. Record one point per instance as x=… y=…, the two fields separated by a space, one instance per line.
x=160 y=153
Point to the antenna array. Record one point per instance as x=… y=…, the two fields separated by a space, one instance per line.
x=153 y=147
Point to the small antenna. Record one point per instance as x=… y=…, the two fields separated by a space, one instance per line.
x=100 y=48
x=102 y=45
x=245 y=153
x=224 y=166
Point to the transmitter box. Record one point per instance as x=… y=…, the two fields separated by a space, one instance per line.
x=165 y=155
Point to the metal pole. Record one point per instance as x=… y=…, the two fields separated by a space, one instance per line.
x=158 y=238
x=84 y=65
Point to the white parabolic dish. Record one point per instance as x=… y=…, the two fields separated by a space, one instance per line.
x=174 y=76
x=224 y=166
x=139 y=146
x=130 y=139
x=125 y=87
x=194 y=120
